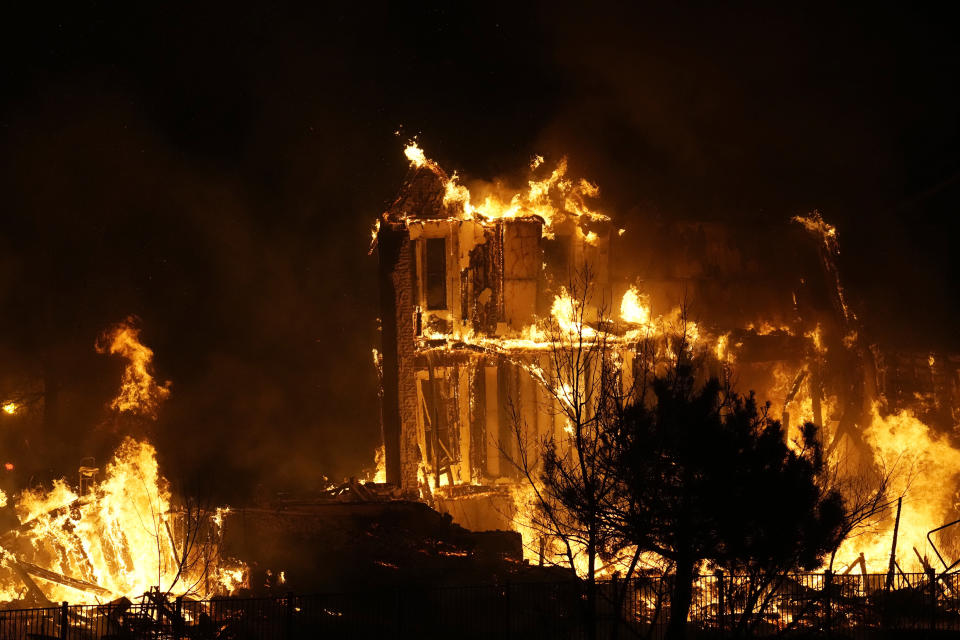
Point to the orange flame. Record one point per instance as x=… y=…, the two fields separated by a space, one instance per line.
x=139 y=393
x=552 y=198
x=123 y=536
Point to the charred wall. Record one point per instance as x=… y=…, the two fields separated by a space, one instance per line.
x=397 y=335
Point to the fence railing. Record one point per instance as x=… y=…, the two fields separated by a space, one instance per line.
x=851 y=605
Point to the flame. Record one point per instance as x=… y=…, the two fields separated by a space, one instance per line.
x=533 y=333
x=765 y=328
x=925 y=467
x=817 y=225
x=125 y=536
x=691 y=332
x=379 y=474
x=563 y=311
x=816 y=337
x=721 y=348
x=827 y=234
x=139 y=393
x=568 y=313
x=10 y=408
x=553 y=198
x=533 y=526
x=374 y=234
x=426 y=476
x=927 y=463
x=415 y=154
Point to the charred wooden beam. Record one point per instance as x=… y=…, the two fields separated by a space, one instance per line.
x=52 y=513
x=159 y=599
x=796 y=386
x=36 y=594
x=67 y=581
x=791 y=394
x=861 y=560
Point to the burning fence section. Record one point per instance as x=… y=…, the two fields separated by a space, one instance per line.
x=479 y=302
x=120 y=535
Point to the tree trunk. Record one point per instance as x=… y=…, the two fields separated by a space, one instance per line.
x=680 y=598
x=591 y=586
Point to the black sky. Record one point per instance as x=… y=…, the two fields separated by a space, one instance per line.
x=215 y=171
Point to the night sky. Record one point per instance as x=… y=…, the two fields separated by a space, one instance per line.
x=215 y=171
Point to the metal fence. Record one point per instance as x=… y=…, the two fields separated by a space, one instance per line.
x=758 y=606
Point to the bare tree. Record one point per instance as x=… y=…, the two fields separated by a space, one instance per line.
x=193 y=535
x=568 y=475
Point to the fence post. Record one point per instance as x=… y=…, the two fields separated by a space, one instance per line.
x=933 y=601
x=827 y=588
x=64 y=620
x=720 y=601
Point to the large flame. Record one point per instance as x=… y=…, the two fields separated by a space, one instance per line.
x=123 y=535
x=568 y=311
x=415 y=154
x=551 y=198
x=634 y=308
x=923 y=467
x=139 y=393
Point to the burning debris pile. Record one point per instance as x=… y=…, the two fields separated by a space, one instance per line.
x=121 y=534
x=477 y=293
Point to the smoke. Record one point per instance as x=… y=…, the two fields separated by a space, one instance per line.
x=750 y=117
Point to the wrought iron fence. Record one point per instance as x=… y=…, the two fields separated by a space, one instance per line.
x=758 y=606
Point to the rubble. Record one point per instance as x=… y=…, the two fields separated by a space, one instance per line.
x=344 y=540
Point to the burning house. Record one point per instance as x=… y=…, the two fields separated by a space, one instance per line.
x=472 y=281
x=488 y=297
x=461 y=290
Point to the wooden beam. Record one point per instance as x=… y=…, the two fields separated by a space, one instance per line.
x=35 y=592
x=67 y=581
